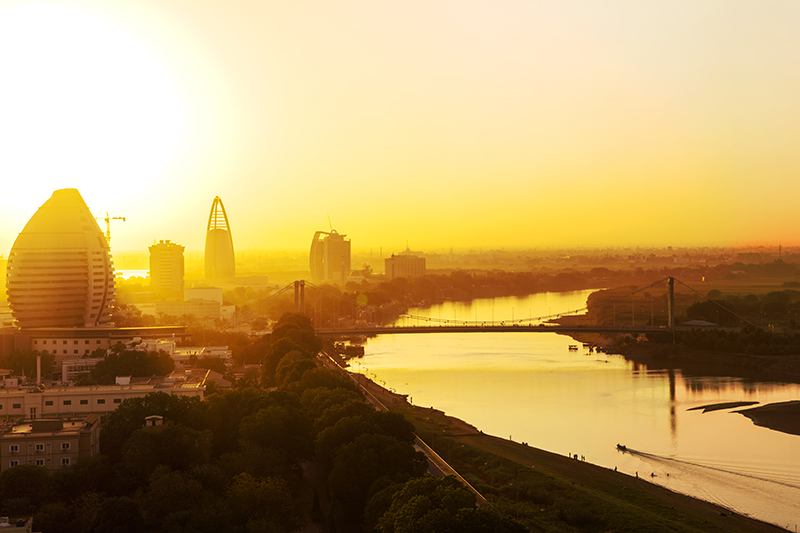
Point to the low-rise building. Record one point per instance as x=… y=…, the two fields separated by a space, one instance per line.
x=70 y=342
x=72 y=369
x=52 y=443
x=65 y=401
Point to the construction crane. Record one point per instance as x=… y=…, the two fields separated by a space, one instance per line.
x=108 y=220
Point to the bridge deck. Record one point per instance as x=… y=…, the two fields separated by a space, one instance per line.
x=388 y=330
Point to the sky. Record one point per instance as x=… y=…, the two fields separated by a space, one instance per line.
x=443 y=124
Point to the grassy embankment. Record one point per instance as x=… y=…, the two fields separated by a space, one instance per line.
x=550 y=492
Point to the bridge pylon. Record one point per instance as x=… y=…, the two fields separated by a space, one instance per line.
x=671 y=303
x=300 y=296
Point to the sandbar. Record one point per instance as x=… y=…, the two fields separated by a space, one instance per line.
x=782 y=416
x=719 y=406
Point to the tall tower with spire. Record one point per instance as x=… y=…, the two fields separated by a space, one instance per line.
x=219 y=257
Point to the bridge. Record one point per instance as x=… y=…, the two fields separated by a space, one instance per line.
x=516 y=328
x=334 y=313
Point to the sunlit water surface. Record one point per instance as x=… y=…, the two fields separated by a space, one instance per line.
x=531 y=388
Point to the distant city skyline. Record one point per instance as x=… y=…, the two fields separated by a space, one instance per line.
x=494 y=124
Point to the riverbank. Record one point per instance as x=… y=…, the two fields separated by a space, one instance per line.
x=783 y=368
x=551 y=492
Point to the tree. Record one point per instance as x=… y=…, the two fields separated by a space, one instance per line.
x=225 y=412
x=261 y=505
x=23 y=362
x=177 y=447
x=359 y=464
x=172 y=492
x=24 y=488
x=285 y=428
x=212 y=363
x=119 y=515
x=131 y=363
x=437 y=505
x=129 y=416
x=292 y=367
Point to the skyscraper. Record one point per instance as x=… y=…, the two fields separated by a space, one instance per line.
x=219 y=258
x=60 y=272
x=329 y=258
x=167 y=268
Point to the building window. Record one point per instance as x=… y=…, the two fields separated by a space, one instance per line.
x=67 y=402
x=12 y=464
x=38 y=448
x=48 y=403
x=86 y=342
x=98 y=342
x=64 y=342
x=14 y=448
x=101 y=401
x=65 y=446
x=65 y=352
x=117 y=400
x=44 y=342
x=74 y=351
x=84 y=402
x=35 y=341
x=65 y=461
x=16 y=406
x=39 y=462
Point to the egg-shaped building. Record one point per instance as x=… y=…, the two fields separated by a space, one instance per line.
x=60 y=272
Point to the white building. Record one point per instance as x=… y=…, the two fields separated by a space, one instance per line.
x=51 y=443
x=65 y=401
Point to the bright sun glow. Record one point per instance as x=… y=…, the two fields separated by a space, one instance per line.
x=82 y=104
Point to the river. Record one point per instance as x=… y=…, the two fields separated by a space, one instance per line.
x=531 y=388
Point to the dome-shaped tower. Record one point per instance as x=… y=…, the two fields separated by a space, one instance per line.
x=219 y=258
x=60 y=272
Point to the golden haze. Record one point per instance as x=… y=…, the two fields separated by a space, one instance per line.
x=444 y=123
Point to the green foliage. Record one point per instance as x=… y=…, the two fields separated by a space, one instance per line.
x=169 y=493
x=129 y=416
x=437 y=505
x=23 y=362
x=260 y=504
x=212 y=363
x=24 y=488
x=292 y=367
x=132 y=363
x=753 y=341
x=361 y=463
x=119 y=515
x=317 y=400
x=284 y=427
x=323 y=377
x=175 y=446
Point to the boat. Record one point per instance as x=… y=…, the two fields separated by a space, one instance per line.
x=573 y=347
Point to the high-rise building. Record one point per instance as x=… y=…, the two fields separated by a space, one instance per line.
x=219 y=258
x=330 y=257
x=60 y=272
x=166 y=268
x=405 y=265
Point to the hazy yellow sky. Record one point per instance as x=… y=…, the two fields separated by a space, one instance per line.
x=444 y=123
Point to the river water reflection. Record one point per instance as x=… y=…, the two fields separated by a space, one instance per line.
x=531 y=388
